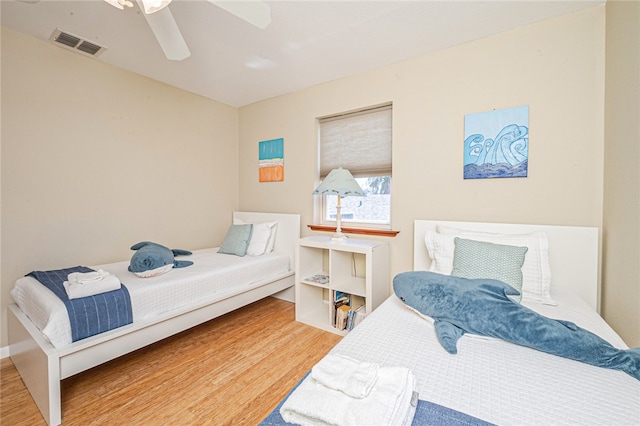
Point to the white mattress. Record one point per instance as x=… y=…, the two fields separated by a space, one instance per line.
x=212 y=277
x=500 y=382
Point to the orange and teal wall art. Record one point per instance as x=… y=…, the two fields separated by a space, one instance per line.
x=271 y=160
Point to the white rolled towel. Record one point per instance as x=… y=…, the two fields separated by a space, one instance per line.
x=351 y=376
x=85 y=284
x=392 y=401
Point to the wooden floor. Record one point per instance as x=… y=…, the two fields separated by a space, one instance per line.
x=232 y=370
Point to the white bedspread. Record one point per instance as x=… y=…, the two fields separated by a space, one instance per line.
x=212 y=277
x=498 y=381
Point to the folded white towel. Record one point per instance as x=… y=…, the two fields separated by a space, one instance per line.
x=87 y=277
x=351 y=376
x=84 y=284
x=392 y=401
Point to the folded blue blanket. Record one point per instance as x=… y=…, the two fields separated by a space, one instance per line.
x=88 y=315
x=481 y=306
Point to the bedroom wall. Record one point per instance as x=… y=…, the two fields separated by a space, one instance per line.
x=556 y=67
x=95 y=159
x=621 y=227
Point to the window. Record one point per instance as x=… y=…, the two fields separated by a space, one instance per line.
x=360 y=142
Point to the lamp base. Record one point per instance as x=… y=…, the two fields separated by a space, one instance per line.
x=339 y=237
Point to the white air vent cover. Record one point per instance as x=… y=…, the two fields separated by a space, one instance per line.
x=76 y=43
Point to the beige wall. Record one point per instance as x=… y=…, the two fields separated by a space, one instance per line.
x=95 y=159
x=165 y=149
x=621 y=227
x=556 y=67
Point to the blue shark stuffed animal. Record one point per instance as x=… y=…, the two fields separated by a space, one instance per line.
x=152 y=259
x=481 y=306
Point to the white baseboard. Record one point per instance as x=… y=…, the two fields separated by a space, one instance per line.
x=4 y=352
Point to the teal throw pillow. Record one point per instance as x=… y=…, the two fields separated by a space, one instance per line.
x=237 y=240
x=478 y=259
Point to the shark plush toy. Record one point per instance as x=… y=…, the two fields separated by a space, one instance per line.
x=481 y=306
x=151 y=259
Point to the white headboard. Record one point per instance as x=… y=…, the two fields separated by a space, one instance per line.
x=573 y=252
x=288 y=232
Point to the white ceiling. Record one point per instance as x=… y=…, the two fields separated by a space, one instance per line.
x=307 y=42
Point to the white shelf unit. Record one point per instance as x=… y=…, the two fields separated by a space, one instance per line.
x=357 y=267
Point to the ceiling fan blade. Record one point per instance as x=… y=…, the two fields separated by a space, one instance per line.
x=166 y=30
x=257 y=13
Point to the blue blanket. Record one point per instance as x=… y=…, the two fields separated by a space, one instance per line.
x=482 y=306
x=427 y=414
x=88 y=315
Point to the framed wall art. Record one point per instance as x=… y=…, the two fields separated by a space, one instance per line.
x=496 y=143
x=271 y=160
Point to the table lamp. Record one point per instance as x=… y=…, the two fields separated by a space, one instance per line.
x=339 y=182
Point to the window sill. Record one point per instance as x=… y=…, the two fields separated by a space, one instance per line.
x=359 y=231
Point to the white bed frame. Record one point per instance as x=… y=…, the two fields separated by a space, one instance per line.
x=573 y=252
x=42 y=366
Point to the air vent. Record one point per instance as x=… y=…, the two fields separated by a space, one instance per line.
x=90 y=48
x=76 y=43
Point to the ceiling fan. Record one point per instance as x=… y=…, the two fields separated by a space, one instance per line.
x=168 y=34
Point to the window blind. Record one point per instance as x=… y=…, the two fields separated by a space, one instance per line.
x=359 y=142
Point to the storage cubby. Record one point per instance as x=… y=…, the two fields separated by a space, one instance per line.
x=326 y=270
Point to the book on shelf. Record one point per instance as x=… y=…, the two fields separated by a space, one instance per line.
x=349 y=310
x=342 y=317
x=318 y=279
x=355 y=317
x=340 y=299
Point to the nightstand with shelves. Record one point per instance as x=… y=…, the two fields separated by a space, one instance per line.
x=326 y=269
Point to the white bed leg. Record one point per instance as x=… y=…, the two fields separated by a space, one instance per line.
x=38 y=367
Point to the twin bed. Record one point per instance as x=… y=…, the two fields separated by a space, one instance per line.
x=491 y=380
x=488 y=379
x=39 y=330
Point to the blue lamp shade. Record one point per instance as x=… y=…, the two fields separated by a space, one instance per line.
x=339 y=182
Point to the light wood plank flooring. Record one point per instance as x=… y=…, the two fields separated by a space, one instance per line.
x=232 y=370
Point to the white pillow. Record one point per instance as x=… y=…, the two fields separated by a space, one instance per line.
x=536 y=271
x=263 y=237
x=272 y=238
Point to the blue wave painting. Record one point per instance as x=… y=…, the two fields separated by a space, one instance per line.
x=496 y=144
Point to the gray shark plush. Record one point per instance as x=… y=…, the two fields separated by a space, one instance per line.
x=481 y=306
x=152 y=259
